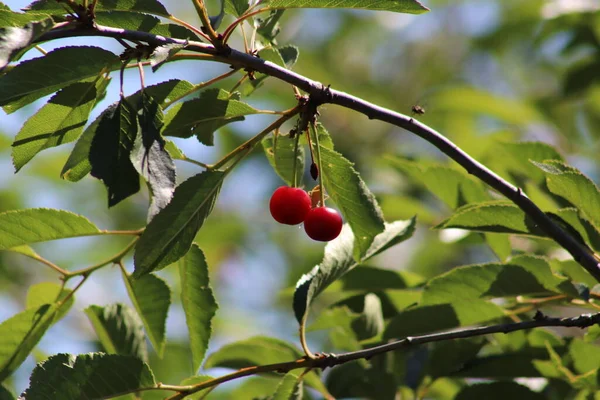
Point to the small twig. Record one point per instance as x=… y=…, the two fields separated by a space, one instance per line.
x=229 y=30
x=114 y=259
x=204 y=18
x=199 y=86
x=49 y=263
x=190 y=27
x=141 y=71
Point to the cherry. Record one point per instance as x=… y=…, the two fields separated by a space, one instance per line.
x=323 y=224
x=289 y=205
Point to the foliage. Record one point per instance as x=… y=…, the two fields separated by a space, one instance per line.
x=436 y=281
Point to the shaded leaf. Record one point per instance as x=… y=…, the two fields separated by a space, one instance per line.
x=14 y=41
x=19 y=335
x=204 y=115
x=355 y=380
x=48 y=293
x=371 y=279
x=198 y=300
x=370 y=323
x=269 y=28
x=401 y=6
x=338 y=260
x=280 y=153
x=136 y=21
x=110 y=152
x=235 y=7
x=450 y=356
x=119 y=329
x=5 y=394
x=60 y=121
x=41 y=76
x=150 y=158
x=354 y=199
x=40 y=225
x=147 y=6
x=169 y=235
x=88 y=376
x=151 y=298
x=498 y=391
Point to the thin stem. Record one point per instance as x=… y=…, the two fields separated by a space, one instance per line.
x=49 y=263
x=195 y=162
x=319 y=164
x=303 y=342
x=141 y=71
x=328 y=361
x=250 y=143
x=136 y=232
x=199 y=86
x=40 y=49
x=116 y=258
x=244 y=37
x=190 y=27
x=203 y=14
x=238 y=83
x=241 y=19
x=121 y=76
x=295 y=164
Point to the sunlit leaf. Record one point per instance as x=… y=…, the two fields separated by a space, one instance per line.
x=88 y=376
x=147 y=6
x=14 y=41
x=199 y=303
x=48 y=293
x=401 y=6
x=282 y=157
x=290 y=387
x=40 y=225
x=119 y=329
x=151 y=298
x=41 y=76
x=169 y=235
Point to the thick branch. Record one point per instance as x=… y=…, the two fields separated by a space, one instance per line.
x=326 y=361
x=579 y=251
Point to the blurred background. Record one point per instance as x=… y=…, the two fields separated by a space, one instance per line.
x=484 y=71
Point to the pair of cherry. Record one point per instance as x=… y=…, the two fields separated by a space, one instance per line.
x=292 y=206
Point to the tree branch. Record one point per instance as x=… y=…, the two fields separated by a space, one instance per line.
x=327 y=361
x=581 y=253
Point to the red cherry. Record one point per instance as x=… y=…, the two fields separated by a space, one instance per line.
x=289 y=205
x=323 y=224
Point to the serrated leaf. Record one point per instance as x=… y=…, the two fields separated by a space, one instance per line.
x=110 y=152
x=431 y=318
x=401 y=6
x=570 y=184
x=88 y=376
x=151 y=298
x=40 y=225
x=60 y=121
x=499 y=216
x=170 y=234
x=175 y=152
x=19 y=335
x=48 y=293
x=259 y=350
x=354 y=199
x=150 y=158
x=162 y=54
x=10 y=18
x=290 y=387
x=14 y=41
x=523 y=275
x=119 y=329
x=338 y=260
x=41 y=76
x=235 y=7
x=136 y=21
x=147 y=6
x=204 y=115
x=269 y=28
x=280 y=153
x=198 y=300
x=194 y=380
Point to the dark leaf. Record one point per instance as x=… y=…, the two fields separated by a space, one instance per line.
x=146 y=6
x=111 y=149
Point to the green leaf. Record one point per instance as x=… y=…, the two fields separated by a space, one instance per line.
x=523 y=275
x=500 y=216
x=175 y=152
x=338 y=260
x=198 y=300
x=150 y=158
x=401 y=6
x=169 y=235
x=19 y=335
x=41 y=76
x=119 y=329
x=498 y=391
x=354 y=199
x=204 y=115
x=40 y=225
x=430 y=318
x=355 y=380
x=60 y=121
x=269 y=28
x=450 y=356
x=14 y=41
x=147 y=6
x=164 y=92
x=570 y=184
x=9 y=18
x=370 y=323
x=290 y=387
x=151 y=298
x=5 y=394
x=372 y=279
x=136 y=21
x=111 y=149
x=194 y=380
x=258 y=350
x=162 y=54
x=88 y=376
x=235 y=7
x=517 y=157
x=280 y=153
x=586 y=356
x=48 y=293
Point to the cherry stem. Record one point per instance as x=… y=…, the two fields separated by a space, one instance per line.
x=319 y=163
x=295 y=165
